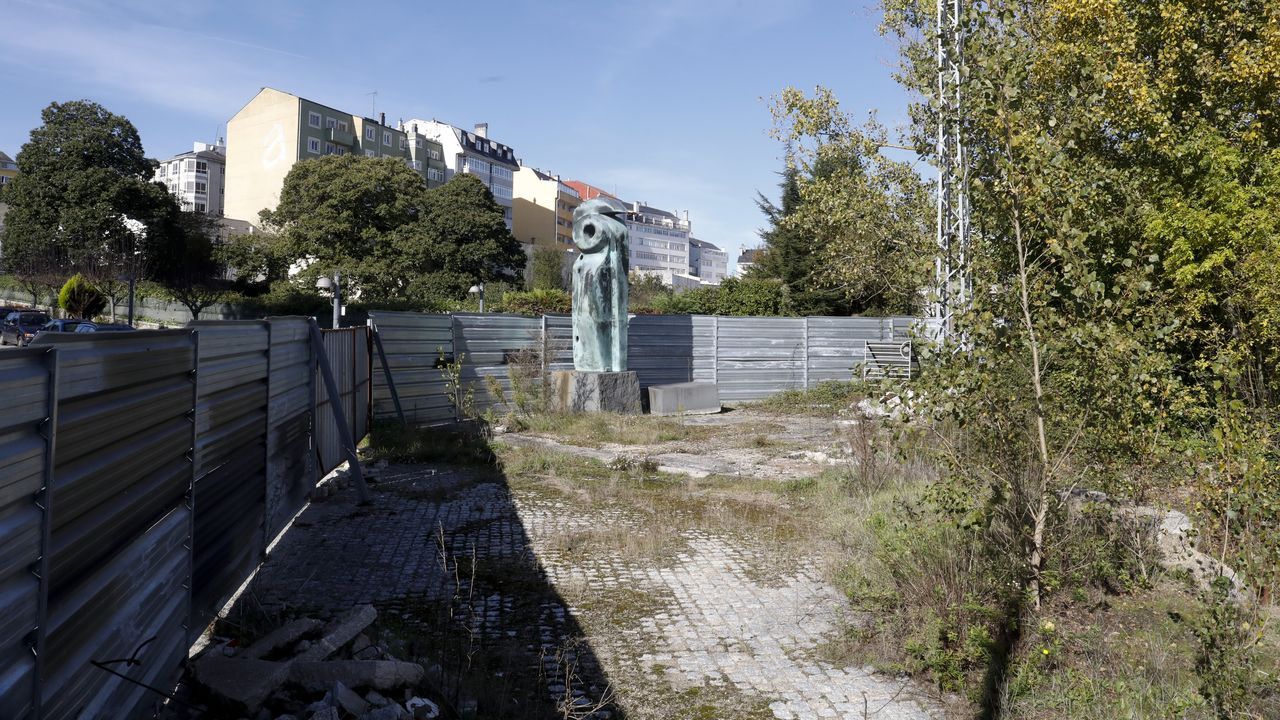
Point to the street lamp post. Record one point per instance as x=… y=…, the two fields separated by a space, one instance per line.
x=326 y=283
x=478 y=290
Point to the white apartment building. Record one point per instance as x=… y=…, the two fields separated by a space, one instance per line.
x=659 y=242
x=473 y=152
x=197 y=178
x=707 y=262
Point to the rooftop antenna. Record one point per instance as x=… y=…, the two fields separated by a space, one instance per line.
x=373 y=103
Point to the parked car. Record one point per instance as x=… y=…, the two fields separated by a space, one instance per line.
x=20 y=326
x=90 y=327
x=62 y=325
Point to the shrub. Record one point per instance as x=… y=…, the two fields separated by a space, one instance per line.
x=80 y=298
x=535 y=302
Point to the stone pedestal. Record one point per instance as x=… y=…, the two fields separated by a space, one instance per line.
x=691 y=398
x=573 y=391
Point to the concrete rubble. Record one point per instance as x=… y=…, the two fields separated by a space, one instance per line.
x=306 y=669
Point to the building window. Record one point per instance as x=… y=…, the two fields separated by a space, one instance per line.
x=342 y=150
x=403 y=144
x=202 y=167
x=202 y=187
x=200 y=207
x=328 y=148
x=435 y=175
x=370 y=134
x=476 y=165
x=343 y=126
x=501 y=191
x=418 y=143
x=386 y=138
x=159 y=172
x=313 y=119
x=188 y=165
x=331 y=123
x=417 y=165
x=433 y=153
x=313 y=145
x=371 y=153
x=501 y=172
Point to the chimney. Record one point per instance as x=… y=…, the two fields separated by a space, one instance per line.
x=482 y=130
x=382 y=119
x=415 y=128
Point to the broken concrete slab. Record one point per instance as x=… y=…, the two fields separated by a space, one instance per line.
x=282 y=636
x=375 y=674
x=240 y=683
x=388 y=712
x=575 y=392
x=689 y=398
x=349 y=700
x=339 y=633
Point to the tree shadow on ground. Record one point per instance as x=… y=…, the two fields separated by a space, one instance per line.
x=441 y=552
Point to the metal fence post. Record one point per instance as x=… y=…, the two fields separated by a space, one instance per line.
x=806 y=354
x=191 y=488
x=715 y=349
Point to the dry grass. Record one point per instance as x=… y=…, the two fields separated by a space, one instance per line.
x=595 y=430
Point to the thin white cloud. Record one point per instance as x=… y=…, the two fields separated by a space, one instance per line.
x=166 y=66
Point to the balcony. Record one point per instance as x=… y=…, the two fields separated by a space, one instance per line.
x=340 y=137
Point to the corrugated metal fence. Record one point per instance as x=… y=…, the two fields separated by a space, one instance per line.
x=143 y=474
x=750 y=358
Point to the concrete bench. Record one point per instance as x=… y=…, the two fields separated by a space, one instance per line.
x=690 y=398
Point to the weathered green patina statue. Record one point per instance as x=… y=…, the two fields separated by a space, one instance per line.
x=600 y=286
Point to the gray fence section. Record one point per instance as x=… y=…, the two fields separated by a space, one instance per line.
x=26 y=383
x=749 y=358
x=119 y=554
x=413 y=344
x=291 y=467
x=348 y=352
x=134 y=496
x=230 y=459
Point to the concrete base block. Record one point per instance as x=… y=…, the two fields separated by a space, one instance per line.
x=573 y=391
x=691 y=398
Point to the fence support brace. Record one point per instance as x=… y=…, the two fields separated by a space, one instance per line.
x=335 y=405
x=386 y=372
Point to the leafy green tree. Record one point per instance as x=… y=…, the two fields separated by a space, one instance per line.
x=547 y=270
x=393 y=241
x=80 y=298
x=853 y=233
x=83 y=176
x=536 y=302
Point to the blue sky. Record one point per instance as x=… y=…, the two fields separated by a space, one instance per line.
x=664 y=101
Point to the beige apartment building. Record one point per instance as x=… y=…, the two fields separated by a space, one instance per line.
x=543 y=208
x=277 y=129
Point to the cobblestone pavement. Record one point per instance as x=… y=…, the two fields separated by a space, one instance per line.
x=705 y=622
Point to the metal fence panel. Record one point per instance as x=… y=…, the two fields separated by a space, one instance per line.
x=348 y=353
x=558 y=345
x=291 y=471
x=660 y=348
x=758 y=356
x=119 y=558
x=413 y=342
x=230 y=459
x=25 y=384
x=491 y=343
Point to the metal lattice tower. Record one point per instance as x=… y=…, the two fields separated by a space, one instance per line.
x=952 y=284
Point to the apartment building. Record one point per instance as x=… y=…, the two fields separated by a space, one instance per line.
x=277 y=129
x=747 y=260
x=426 y=155
x=707 y=262
x=197 y=178
x=543 y=208
x=658 y=239
x=8 y=169
x=471 y=151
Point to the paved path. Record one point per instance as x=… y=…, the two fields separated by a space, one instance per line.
x=492 y=561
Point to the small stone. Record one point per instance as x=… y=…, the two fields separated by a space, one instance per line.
x=329 y=713
x=375 y=698
x=424 y=709
x=388 y=712
x=370 y=652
